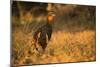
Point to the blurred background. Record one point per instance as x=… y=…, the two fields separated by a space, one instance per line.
x=68 y=16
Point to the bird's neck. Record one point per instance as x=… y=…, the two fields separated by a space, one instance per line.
x=48 y=23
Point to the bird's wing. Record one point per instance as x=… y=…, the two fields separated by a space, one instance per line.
x=47 y=38
x=39 y=33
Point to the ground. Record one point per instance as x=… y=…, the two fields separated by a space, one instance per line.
x=63 y=47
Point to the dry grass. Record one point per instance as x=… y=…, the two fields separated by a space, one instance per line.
x=63 y=47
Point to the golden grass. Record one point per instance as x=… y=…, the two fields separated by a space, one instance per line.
x=63 y=47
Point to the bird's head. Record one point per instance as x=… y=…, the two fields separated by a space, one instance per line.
x=50 y=17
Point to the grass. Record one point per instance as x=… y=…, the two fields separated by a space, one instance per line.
x=63 y=47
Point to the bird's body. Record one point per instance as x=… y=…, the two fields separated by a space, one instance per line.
x=43 y=35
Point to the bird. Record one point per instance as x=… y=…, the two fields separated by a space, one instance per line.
x=43 y=34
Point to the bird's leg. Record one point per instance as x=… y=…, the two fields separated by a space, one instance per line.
x=36 y=45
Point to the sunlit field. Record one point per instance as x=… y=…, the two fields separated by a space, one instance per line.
x=63 y=47
x=73 y=38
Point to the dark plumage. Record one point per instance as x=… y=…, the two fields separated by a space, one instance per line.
x=43 y=34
